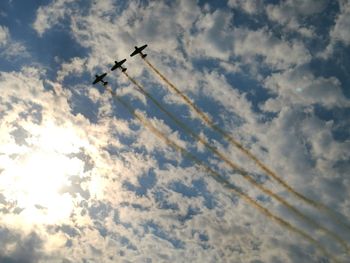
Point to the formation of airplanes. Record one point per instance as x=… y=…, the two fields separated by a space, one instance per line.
x=119 y=64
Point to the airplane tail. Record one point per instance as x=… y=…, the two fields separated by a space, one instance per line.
x=105 y=83
x=144 y=55
x=124 y=69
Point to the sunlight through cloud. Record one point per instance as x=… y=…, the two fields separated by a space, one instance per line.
x=32 y=180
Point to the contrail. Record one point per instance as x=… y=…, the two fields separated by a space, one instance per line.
x=234 y=142
x=235 y=167
x=217 y=177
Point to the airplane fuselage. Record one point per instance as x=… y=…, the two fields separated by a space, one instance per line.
x=99 y=78
x=119 y=65
x=138 y=50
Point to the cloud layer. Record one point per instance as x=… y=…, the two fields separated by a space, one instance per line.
x=82 y=180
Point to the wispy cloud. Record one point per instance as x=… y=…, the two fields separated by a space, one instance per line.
x=9 y=48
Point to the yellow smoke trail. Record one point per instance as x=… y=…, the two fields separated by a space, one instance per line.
x=216 y=176
x=235 y=167
x=230 y=139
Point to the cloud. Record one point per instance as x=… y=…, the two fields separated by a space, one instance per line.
x=309 y=149
x=134 y=197
x=9 y=48
x=17 y=248
x=300 y=86
x=213 y=37
x=4 y=35
x=323 y=144
x=250 y=6
x=49 y=15
x=76 y=66
x=251 y=44
x=294 y=8
x=291 y=13
x=50 y=130
x=339 y=32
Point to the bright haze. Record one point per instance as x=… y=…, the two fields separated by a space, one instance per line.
x=85 y=179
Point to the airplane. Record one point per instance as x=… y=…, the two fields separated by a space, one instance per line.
x=119 y=65
x=100 y=79
x=138 y=50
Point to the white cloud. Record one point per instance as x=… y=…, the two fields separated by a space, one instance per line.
x=229 y=97
x=75 y=66
x=324 y=146
x=50 y=128
x=340 y=31
x=113 y=221
x=49 y=15
x=290 y=14
x=249 y=6
x=28 y=83
x=153 y=142
x=4 y=35
x=300 y=7
x=301 y=145
x=9 y=48
x=300 y=86
x=15 y=50
x=251 y=44
x=214 y=36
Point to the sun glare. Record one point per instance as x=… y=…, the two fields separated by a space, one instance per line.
x=32 y=180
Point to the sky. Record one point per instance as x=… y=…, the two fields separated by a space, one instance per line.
x=229 y=142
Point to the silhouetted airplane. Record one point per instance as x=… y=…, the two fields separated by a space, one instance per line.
x=138 y=50
x=100 y=79
x=119 y=65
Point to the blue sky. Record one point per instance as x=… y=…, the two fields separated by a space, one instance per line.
x=83 y=180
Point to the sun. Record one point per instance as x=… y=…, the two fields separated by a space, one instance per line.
x=33 y=176
x=33 y=183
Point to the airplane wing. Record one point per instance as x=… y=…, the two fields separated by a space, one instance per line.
x=118 y=64
x=99 y=78
x=134 y=53
x=138 y=50
x=143 y=47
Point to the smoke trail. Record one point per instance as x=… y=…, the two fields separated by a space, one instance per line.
x=217 y=177
x=235 y=167
x=230 y=139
